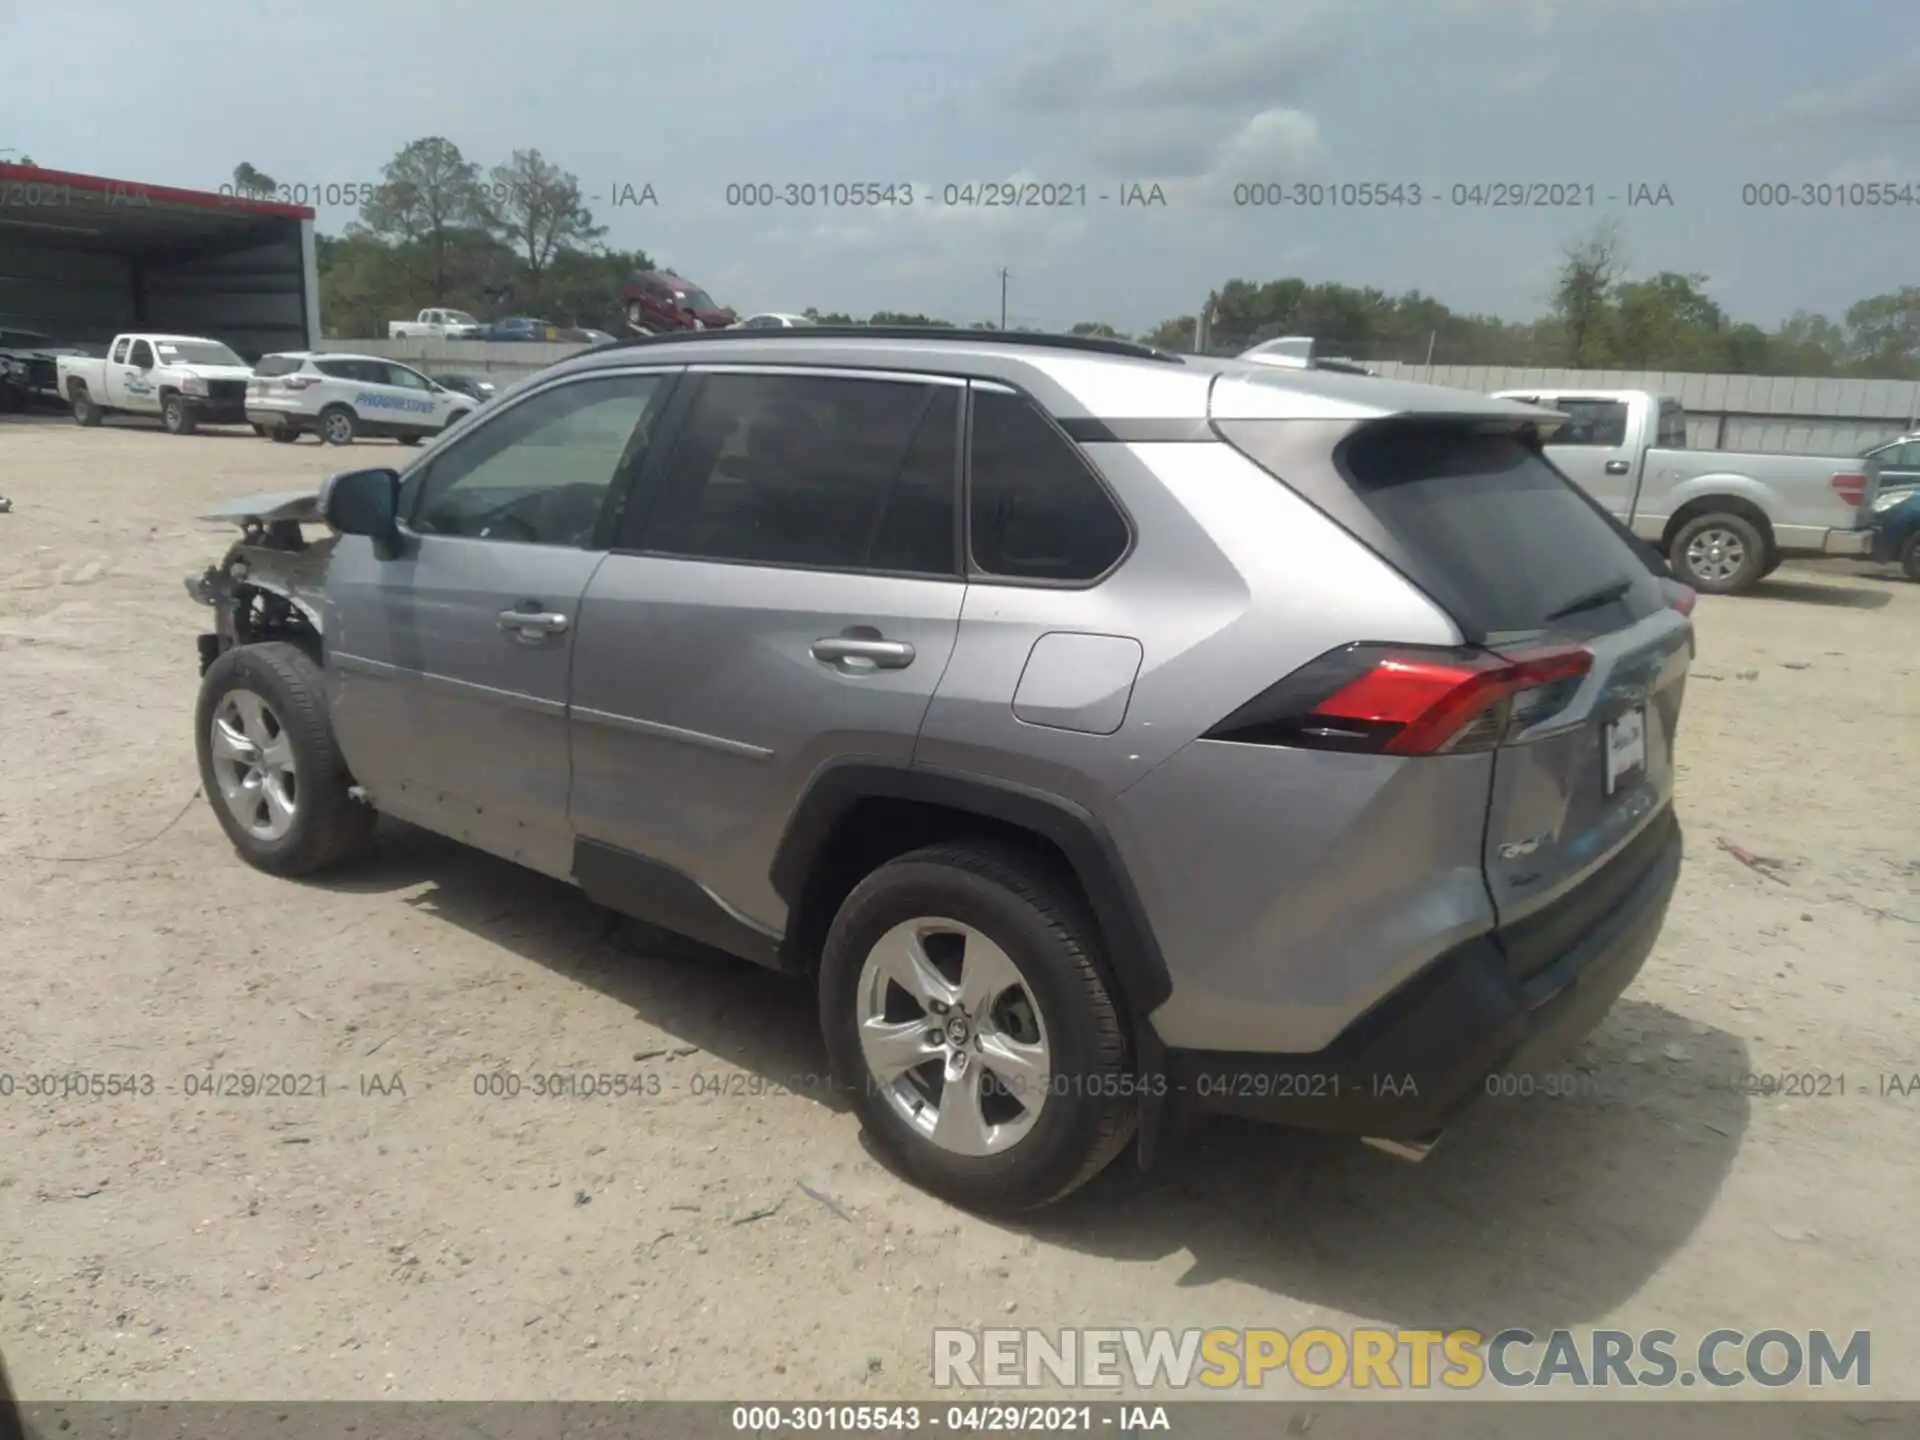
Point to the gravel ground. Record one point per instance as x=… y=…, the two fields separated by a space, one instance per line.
x=729 y=1236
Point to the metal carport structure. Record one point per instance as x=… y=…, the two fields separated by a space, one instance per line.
x=83 y=257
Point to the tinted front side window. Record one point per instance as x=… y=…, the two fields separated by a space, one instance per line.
x=142 y=355
x=813 y=472
x=539 y=474
x=1036 y=512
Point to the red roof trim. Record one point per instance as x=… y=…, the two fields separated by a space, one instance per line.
x=135 y=191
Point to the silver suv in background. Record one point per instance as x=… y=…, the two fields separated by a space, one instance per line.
x=1107 y=732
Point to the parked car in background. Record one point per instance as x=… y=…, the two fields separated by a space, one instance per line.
x=1724 y=519
x=185 y=380
x=343 y=397
x=1896 y=507
x=584 y=335
x=521 y=329
x=659 y=301
x=1896 y=461
x=1077 y=785
x=773 y=320
x=1896 y=530
x=474 y=387
x=436 y=325
x=35 y=358
x=13 y=390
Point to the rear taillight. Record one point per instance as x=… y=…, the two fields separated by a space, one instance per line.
x=1851 y=488
x=1681 y=597
x=300 y=382
x=1406 y=700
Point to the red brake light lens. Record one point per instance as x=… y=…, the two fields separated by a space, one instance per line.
x=1851 y=488
x=1408 y=701
x=1682 y=598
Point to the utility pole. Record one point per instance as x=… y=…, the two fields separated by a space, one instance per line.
x=1004 y=272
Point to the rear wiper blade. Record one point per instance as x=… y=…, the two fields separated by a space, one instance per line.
x=1593 y=599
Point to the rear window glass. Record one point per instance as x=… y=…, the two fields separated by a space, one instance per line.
x=1590 y=422
x=277 y=365
x=1512 y=537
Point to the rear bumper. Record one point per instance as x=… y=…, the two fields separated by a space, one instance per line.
x=1409 y=1066
x=1847 y=542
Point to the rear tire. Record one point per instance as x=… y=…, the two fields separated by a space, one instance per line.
x=1719 y=553
x=338 y=425
x=1016 y=1144
x=286 y=809
x=177 y=416
x=1910 y=558
x=85 y=412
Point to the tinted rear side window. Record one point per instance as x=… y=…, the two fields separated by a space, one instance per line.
x=271 y=365
x=1036 y=512
x=1513 y=539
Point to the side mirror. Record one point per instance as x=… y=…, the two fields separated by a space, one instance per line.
x=365 y=502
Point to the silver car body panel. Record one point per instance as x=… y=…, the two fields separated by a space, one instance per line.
x=685 y=714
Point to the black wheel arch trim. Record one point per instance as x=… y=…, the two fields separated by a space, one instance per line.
x=1130 y=946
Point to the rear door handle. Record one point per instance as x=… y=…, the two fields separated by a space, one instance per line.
x=533 y=622
x=1616 y=467
x=859 y=653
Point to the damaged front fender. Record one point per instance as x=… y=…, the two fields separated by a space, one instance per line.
x=271 y=584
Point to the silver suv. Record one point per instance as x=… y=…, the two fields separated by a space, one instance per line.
x=1110 y=733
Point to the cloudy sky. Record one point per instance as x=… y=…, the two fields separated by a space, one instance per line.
x=1196 y=96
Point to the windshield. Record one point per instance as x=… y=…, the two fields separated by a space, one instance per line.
x=460 y=317
x=196 y=352
x=698 y=300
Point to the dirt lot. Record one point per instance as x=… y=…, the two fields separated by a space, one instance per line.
x=730 y=1237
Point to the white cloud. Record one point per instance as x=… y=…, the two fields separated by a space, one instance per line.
x=1889 y=95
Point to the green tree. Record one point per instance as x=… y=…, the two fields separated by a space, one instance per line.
x=249 y=181
x=1096 y=329
x=1884 y=331
x=1583 y=294
x=429 y=192
x=535 y=206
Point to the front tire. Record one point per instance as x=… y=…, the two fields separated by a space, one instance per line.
x=177 y=416
x=269 y=763
x=338 y=425
x=969 y=1015
x=1719 y=554
x=1910 y=558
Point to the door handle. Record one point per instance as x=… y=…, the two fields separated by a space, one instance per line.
x=533 y=622
x=861 y=653
x=1616 y=467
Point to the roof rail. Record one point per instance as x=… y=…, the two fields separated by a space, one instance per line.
x=1092 y=344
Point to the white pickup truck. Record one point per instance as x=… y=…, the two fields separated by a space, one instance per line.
x=185 y=380
x=436 y=325
x=1724 y=519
